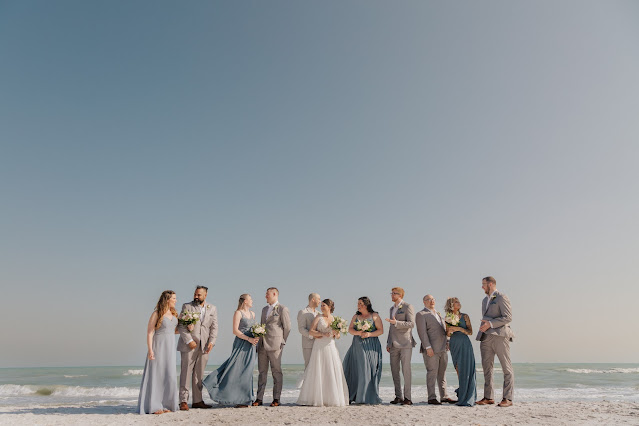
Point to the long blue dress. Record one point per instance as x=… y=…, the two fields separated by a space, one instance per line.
x=158 y=390
x=461 y=350
x=232 y=382
x=363 y=369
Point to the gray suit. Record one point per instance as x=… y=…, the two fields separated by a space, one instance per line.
x=193 y=361
x=269 y=349
x=305 y=319
x=432 y=333
x=496 y=341
x=401 y=344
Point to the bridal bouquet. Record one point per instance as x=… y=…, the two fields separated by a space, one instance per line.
x=258 y=330
x=452 y=319
x=339 y=324
x=187 y=318
x=364 y=325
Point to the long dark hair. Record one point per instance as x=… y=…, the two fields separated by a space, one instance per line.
x=369 y=306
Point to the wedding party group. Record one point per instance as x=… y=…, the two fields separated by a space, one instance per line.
x=327 y=380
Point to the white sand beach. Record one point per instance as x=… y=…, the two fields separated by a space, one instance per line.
x=553 y=413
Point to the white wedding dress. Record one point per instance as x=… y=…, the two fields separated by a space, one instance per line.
x=324 y=382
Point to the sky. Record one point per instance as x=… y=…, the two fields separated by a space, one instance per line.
x=336 y=147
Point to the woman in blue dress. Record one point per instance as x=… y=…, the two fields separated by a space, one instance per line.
x=363 y=361
x=461 y=350
x=158 y=390
x=232 y=382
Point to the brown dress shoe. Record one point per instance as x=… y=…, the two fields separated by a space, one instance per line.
x=407 y=402
x=200 y=404
x=257 y=403
x=275 y=403
x=434 y=402
x=184 y=406
x=397 y=400
x=485 y=401
x=505 y=403
x=450 y=401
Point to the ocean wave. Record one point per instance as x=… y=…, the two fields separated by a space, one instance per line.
x=609 y=371
x=68 y=391
x=79 y=375
x=133 y=373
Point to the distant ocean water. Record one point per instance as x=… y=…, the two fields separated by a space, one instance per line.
x=120 y=385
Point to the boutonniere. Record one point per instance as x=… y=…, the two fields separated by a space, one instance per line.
x=208 y=306
x=399 y=307
x=493 y=297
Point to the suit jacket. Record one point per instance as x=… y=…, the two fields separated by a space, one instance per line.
x=430 y=331
x=400 y=334
x=305 y=319
x=497 y=310
x=205 y=330
x=278 y=326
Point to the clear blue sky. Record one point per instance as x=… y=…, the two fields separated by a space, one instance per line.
x=338 y=147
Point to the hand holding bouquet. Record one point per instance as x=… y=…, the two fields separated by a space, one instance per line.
x=364 y=325
x=339 y=324
x=452 y=321
x=188 y=318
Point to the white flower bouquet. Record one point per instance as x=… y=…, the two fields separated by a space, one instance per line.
x=258 y=330
x=452 y=319
x=365 y=325
x=187 y=318
x=339 y=324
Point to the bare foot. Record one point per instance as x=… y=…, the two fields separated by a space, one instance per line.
x=166 y=411
x=159 y=412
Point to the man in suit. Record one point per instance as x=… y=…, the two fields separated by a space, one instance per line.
x=269 y=348
x=305 y=319
x=195 y=344
x=495 y=336
x=432 y=333
x=400 y=344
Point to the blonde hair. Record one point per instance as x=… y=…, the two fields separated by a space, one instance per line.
x=163 y=306
x=398 y=290
x=241 y=301
x=448 y=308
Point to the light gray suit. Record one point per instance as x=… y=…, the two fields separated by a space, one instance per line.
x=432 y=333
x=305 y=319
x=269 y=349
x=496 y=341
x=401 y=344
x=193 y=361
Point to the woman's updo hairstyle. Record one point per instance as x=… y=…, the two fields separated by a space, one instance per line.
x=329 y=303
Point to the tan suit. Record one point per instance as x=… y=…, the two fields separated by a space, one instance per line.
x=269 y=349
x=496 y=341
x=305 y=319
x=193 y=361
x=432 y=333
x=401 y=343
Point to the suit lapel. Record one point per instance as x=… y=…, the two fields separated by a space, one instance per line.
x=486 y=303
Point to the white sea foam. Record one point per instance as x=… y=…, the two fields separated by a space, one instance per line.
x=79 y=375
x=15 y=390
x=608 y=371
x=134 y=373
x=68 y=391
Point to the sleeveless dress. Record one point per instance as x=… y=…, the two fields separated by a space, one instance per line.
x=159 y=390
x=461 y=350
x=363 y=369
x=232 y=382
x=324 y=383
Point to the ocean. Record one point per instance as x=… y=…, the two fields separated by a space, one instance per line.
x=120 y=385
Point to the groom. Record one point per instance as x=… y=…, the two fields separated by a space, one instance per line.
x=495 y=336
x=269 y=348
x=305 y=319
x=195 y=343
x=400 y=344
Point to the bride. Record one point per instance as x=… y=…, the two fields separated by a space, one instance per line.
x=324 y=383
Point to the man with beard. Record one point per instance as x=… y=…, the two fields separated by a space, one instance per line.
x=195 y=343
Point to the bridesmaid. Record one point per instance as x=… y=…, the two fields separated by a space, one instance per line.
x=158 y=391
x=461 y=350
x=363 y=361
x=232 y=382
